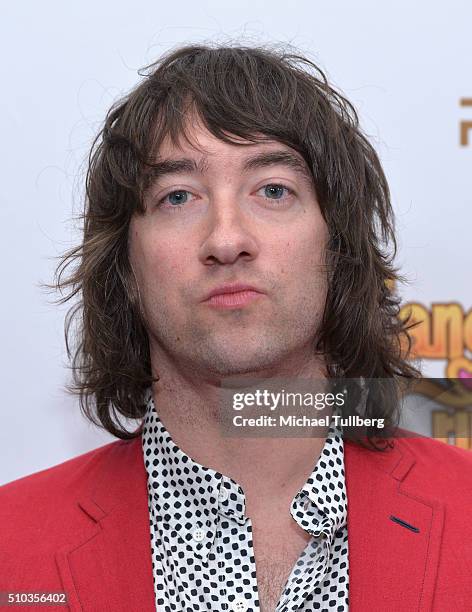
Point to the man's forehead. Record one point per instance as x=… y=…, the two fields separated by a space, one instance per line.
x=193 y=138
x=201 y=145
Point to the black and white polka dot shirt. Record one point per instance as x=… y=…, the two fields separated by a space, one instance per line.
x=201 y=539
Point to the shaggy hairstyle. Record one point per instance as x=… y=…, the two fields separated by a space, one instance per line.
x=254 y=93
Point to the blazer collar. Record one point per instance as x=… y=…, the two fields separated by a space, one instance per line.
x=391 y=567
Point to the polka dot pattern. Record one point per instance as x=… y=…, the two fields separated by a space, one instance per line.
x=201 y=539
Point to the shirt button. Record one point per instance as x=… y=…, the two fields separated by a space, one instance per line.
x=223 y=494
x=198 y=535
x=239 y=605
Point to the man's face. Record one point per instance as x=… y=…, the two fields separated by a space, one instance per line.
x=242 y=214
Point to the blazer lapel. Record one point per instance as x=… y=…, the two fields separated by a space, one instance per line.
x=110 y=568
x=392 y=561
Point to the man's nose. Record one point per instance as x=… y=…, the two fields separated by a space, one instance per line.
x=229 y=234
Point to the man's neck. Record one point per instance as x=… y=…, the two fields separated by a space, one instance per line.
x=270 y=470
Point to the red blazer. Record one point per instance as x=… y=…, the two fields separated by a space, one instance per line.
x=83 y=527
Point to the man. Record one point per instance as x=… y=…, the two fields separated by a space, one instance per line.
x=236 y=225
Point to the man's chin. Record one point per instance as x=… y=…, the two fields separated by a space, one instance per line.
x=241 y=361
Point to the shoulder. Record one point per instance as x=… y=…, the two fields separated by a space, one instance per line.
x=429 y=452
x=441 y=469
x=47 y=499
x=63 y=477
x=418 y=462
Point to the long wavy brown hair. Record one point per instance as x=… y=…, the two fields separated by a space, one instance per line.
x=253 y=93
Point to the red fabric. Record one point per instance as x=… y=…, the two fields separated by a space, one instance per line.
x=83 y=527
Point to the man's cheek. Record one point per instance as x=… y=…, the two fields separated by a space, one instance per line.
x=172 y=261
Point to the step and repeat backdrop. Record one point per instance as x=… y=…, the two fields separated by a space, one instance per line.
x=405 y=67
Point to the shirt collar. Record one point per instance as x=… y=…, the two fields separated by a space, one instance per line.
x=320 y=507
x=187 y=497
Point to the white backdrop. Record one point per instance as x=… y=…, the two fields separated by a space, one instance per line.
x=404 y=65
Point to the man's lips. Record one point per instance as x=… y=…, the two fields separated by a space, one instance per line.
x=233 y=295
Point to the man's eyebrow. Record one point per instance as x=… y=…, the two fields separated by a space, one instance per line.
x=284 y=158
x=259 y=160
x=175 y=166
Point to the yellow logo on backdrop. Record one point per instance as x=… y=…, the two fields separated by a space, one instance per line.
x=445 y=332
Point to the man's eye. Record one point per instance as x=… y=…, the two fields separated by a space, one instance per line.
x=175 y=198
x=272 y=191
x=275 y=191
